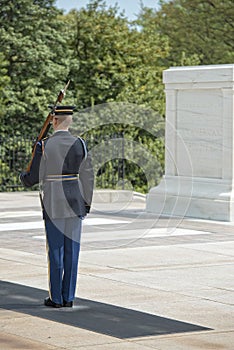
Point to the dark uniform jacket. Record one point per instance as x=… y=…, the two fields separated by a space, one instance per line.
x=64 y=168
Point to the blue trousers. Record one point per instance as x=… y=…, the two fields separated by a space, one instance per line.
x=63 y=247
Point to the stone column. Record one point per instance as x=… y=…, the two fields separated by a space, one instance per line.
x=199 y=155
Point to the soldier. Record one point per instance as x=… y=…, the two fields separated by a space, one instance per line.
x=63 y=167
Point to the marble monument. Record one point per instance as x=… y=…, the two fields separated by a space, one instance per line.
x=199 y=152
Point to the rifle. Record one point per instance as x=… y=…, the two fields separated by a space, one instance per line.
x=46 y=126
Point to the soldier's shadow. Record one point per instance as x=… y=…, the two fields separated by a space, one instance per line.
x=91 y=315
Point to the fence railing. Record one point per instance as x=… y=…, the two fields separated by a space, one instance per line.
x=119 y=163
x=14 y=154
x=109 y=162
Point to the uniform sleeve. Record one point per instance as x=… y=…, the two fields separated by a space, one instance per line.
x=31 y=178
x=86 y=177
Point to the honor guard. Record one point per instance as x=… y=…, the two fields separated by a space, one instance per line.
x=63 y=167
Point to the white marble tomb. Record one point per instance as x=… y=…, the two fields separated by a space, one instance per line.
x=199 y=155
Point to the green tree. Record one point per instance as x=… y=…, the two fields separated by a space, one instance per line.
x=33 y=49
x=4 y=81
x=112 y=60
x=199 y=31
x=107 y=58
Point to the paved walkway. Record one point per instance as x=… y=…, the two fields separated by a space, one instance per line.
x=144 y=282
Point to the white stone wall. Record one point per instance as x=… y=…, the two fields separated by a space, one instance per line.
x=199 y=156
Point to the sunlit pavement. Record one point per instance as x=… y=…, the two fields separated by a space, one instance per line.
x=145 y=282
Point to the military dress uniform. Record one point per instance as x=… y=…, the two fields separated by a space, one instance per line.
x=63 y=167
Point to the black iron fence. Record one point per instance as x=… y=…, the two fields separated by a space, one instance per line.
x=119 y=163
x=109 y=161
x=14 y=154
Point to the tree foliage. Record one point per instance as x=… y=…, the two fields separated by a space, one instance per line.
x=110 y=61
x=199 y=31
x=32 y=50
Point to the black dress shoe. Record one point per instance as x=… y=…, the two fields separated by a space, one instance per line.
x=49 y=302
x=67 y=303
